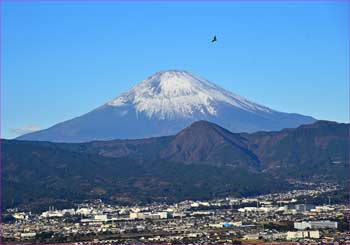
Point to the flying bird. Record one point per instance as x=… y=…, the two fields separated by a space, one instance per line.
x=214 y=39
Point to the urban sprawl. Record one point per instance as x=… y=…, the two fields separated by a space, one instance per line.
x=278 y=217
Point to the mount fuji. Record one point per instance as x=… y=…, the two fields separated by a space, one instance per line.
x=163 y=104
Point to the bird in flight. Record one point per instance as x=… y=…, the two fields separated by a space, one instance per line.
x=214 y=39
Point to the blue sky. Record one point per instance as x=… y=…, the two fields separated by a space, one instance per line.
x=62 y=59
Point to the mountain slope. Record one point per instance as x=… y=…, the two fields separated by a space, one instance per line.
x=46 y=174
x=204 y=142
x=162 y=105
x=201 y=161
x=318 y=149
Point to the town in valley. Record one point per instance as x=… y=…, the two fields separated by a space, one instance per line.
x=278 y=217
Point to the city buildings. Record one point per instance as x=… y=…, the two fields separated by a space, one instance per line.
x=265 y=218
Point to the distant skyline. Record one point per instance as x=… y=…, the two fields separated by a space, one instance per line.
x=63 y=59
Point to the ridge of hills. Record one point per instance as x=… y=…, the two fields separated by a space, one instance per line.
x=202 y=161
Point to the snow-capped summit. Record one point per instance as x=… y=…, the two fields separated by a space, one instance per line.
x=165 y=103
x=176 y=94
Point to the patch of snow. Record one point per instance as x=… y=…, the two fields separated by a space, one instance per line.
x=172 y=94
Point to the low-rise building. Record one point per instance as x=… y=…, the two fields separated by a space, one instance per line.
x=291 y=235
x=28 y=235
x=321 y=224
x=251 y=236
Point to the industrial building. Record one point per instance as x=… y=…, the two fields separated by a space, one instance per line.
x=321 y=224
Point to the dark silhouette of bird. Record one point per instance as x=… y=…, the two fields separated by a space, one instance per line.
x=214 y=39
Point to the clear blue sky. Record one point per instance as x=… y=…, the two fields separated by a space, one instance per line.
x=60 y=60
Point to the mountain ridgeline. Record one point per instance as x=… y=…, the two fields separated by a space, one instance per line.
x=165 y=103
x=202 y=161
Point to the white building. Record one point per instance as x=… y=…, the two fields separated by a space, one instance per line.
x=248 y=209
x=251 y=236
x=136 y=215
x=322 y=209
x=100 y=217
x=28 y=235
x=20 y=216
x=302 y=234
x=84 y=211
x=52 y=213
x=255 y=209
x=302 y=225
x=324 y=224
x=139 y=215
x=321 y=224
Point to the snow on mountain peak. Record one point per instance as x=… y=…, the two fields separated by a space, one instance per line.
x=174 y=93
